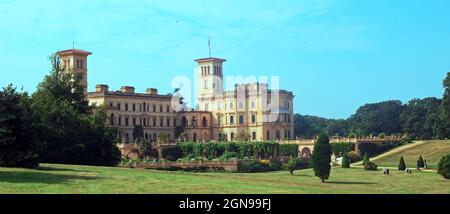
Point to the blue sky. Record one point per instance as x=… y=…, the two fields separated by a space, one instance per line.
x=335 y=55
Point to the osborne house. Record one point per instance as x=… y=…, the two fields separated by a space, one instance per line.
x=250 y=109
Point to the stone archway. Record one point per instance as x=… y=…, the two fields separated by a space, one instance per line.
x=305 y=152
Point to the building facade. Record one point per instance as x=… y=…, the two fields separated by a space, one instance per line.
x=250 y=111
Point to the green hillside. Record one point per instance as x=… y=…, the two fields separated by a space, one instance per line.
x=432 y=151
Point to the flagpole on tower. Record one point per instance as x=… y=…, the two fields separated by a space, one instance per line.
x=209 y=46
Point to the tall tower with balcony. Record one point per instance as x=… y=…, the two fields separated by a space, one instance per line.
x=210 y=79
x=75 y=60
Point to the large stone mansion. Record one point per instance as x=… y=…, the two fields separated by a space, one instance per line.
x=253 y=109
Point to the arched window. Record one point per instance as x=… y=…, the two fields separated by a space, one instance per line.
x=232 y=136
x=111 y=119
x=194 y=121
x=253 y=118
x=204 y=122
x=184 y=121
x=254 y=136
x=241 y=119
x=127 y=138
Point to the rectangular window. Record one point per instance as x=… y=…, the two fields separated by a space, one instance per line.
x=154 y=121
x=168 y=122
x=161 y=121
x=134 y=121
x=160 y=108
x=126 y=106
x=118 y=106
x=126 y=121
x=231 y=119
x=134 y=107
x=168 y=108
x=154 y=108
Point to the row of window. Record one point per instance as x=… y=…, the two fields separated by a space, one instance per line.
x=155 y=122
x=231 y=136
x=127 y=138
x=79 y=63
x=217 y=70
x=144 y=107
x=133 y=121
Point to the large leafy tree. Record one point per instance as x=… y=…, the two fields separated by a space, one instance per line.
x=321 y=157
x=419 y=117
x=376 y=118
x=70 y=132
x=442 y=128
x=306 y=126
x=18 y=146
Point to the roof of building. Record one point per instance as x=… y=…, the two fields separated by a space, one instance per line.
x=74 y=51
x=130 y=95
x=210 y=59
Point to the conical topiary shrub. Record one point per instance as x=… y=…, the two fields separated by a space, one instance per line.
x=345 y=162
x=420 y=163
x=401 y=164
x=365 y=159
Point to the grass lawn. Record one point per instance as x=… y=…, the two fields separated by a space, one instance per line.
x=432 y=151
x=52 y=178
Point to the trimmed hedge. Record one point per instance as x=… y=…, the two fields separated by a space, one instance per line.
x=289 y=150
x=259 y=166
x=241 y=150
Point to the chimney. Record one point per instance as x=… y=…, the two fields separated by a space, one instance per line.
x=101 y=88
x=152 y=91
x=127 y=89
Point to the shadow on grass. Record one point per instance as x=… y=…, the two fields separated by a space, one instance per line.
x=350 y=182
x=40 y=177
x=50 y=169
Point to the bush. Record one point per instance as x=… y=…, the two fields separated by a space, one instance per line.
x=253 y=166
x=420 y=163
x=353 y=157
x=401 y=164
x=345 y=162
x=370 y=166
x=289 y=150
x=228 y=155
x=365 y=159
x=444 y=167
x=297 y=164
x=275 y=165
x=172 y=154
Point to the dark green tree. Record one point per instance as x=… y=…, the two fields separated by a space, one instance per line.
x=18 y=146
x=321 y=157
x=366 y=158
x=444 y=167
x=442 y=127
x=345 y=161
x=419 y=117
x=401 y=164
x=68 y=130
x=377 y=117
x=420 y=163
